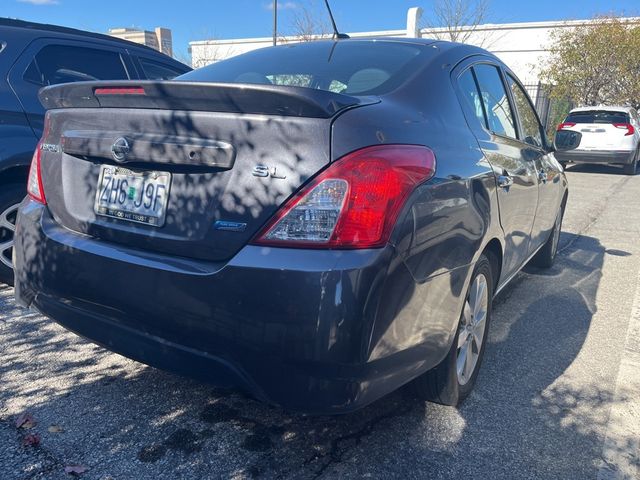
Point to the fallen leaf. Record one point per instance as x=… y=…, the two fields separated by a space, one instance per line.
x=31 y=440
x=55 y=429
x=75 y=469
x=25 y=420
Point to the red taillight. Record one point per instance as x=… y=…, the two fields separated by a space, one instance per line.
x=354 y=203
x=34 y=184
x=119 y=91
x=628 y=126
x=35 y=190
x=564 y=125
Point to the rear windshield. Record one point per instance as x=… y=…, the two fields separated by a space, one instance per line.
x=598 y=116
x=349 y=67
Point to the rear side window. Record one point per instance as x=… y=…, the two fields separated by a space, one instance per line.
x=158 y=71
x=470 y=91
x=597 y=116
x=531 y=129
x=63 y=63
x=495 y=101
x=351 y=67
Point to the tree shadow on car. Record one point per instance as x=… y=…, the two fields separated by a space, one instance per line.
x=531 y=413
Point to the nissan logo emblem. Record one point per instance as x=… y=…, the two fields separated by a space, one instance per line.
x=120 y=149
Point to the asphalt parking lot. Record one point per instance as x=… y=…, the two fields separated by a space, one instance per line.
x=558 y=396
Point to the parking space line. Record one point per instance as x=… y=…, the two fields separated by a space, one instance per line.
x=621 y=449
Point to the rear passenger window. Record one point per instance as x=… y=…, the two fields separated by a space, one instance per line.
x=531 y=130
x=62 y=64
x=470 y=91
x=158 y=71
x=597 y=116
x=495 y=101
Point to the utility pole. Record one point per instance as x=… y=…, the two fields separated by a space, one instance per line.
x=275 y=21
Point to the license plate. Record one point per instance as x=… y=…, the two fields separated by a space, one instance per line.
x=139 y=197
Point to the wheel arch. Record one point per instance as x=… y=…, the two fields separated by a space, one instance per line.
x=565 y=199
x=14 y=174
x=493 y=251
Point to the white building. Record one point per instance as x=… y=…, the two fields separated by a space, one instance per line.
x=160 y=39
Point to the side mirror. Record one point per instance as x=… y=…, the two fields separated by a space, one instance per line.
x=566 y=140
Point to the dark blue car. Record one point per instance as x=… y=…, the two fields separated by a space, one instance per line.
x=35 y=55
x=317 y=224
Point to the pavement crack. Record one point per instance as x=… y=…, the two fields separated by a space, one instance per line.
x=47 y=457
x=337 y=449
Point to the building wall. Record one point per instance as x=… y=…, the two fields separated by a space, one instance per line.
x=160 y=39
x=165 y=40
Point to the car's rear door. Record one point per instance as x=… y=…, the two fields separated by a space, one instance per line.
x=51 y=61
x=486 y=99
x=535 y=149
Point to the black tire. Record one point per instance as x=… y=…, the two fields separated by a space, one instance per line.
x=547 y=254
x=10 y=196
x=442 y=384
x=630 y=168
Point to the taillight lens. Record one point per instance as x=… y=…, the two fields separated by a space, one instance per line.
x=628 y=126
x=354 y=203
x=34 y=184
x=564 y=125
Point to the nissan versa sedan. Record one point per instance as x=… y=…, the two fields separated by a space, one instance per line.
x=317 y=224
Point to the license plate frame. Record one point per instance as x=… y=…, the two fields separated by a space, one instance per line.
x=120 y=202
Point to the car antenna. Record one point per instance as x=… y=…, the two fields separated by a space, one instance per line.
x=336 y=34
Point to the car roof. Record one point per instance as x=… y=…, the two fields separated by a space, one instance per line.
x=603 y=108
x=45 y=27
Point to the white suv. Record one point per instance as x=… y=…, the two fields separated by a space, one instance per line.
x=609 y=135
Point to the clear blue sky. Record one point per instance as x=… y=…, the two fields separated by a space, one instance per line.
x=200 y=19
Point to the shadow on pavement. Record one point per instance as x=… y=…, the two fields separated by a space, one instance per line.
x=526 y=418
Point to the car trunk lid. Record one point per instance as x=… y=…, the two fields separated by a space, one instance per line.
x=222 y=164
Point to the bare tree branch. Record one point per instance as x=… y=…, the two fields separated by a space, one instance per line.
x=456 y=20
x=309 y=22
x=212 y=51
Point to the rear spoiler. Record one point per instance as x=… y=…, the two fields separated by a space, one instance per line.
x=200 y=96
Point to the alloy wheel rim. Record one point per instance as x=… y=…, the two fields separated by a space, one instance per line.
x=7 y=231
x=472 y=329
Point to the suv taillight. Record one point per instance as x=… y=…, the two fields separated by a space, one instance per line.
x=354 y=203
x=628 y=126
x=564 y=125
x=34 y=183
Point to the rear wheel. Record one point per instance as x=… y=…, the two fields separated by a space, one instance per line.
x=452 y=380
x=630 y=169
x=547 y=254
x=10 y=197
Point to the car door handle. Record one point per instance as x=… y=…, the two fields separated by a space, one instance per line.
x=505 y=181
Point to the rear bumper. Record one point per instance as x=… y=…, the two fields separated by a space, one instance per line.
x=622 y=157
x=292 y=327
